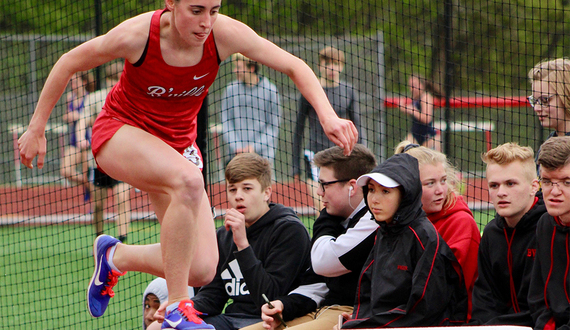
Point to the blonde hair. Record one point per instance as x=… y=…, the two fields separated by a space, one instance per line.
x=248 y=61
x=511 y=152
x=557 y=74
x=426 y=156
x=249 y=166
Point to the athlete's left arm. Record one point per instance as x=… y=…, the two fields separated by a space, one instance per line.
x=235 y=37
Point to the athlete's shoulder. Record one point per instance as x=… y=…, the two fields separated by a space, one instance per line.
x=130 y=36
x=232 y=36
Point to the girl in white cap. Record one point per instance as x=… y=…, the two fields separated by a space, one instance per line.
x=411 y=277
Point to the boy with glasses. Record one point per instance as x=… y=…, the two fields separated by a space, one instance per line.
x=549 y=288
x=343 y=236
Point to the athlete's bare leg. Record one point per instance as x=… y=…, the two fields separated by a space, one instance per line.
x=177 y=193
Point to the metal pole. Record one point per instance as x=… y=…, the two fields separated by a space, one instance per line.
x=381 y=124
x=448 y=80
x=98 y=32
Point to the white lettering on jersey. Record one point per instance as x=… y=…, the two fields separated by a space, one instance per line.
x=159 y=91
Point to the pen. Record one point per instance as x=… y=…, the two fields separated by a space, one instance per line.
x=277 y=316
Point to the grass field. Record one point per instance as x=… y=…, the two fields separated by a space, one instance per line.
x=45 y=270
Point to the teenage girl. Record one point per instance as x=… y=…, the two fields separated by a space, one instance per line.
x=145 y=135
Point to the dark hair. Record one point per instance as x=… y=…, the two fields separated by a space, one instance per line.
x=331 y=54
x=359 y=162
x=429 y=85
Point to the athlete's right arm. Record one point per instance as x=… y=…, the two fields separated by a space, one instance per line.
x=127 y=40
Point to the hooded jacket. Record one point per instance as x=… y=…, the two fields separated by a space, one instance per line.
x=549 y=293
x=459 y=230
x=158 y=288
x=506 y=257
x=411 y=277
x=278 y=254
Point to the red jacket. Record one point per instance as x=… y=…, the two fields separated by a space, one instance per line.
x=460 y=231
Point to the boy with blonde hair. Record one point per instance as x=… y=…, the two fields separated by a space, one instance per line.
x=548 y=294
x=507 y=249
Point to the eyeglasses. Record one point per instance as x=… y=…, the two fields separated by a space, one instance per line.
x=324 y=184
x=549 y=184
x=542 y=100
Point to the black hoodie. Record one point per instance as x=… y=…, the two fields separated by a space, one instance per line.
x=549 y=293
x=411 y=277
x=506 y=257
x=278 y=254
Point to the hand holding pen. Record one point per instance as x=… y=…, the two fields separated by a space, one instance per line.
x=277 y=316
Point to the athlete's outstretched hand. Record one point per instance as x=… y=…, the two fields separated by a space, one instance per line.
x=32 y=144
x=342 y=132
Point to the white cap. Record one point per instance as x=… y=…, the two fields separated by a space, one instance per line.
x=380 y=178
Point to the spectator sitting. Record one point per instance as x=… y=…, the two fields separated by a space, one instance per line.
x=500 y=295
x=548 y=295
x=263 y=247
x=446 y=210
x=343 y=236
x=155 y=295
x=426 y=286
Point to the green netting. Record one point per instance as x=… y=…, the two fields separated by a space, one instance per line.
x=477 y=52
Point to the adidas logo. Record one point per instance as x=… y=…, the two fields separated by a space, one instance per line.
x=235 y=285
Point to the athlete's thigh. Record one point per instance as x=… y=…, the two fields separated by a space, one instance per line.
x=145 y=161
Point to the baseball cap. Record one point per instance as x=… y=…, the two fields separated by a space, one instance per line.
x=380 y=178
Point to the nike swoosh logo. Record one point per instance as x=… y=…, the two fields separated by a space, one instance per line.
x=173 y=324
x=196 y=78
x=97 y=282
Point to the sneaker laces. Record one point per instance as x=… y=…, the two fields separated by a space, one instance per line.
x=190 y=313
x=112 y=280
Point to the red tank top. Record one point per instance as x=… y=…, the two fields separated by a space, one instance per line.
x=161 y=99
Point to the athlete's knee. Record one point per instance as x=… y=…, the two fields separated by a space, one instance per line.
x=189 y=187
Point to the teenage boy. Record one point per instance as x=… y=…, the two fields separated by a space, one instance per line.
x=263 y=248
x=506 y=252
x=344 y=100
x=343 y=236
x=251 y=111
x=550 y=285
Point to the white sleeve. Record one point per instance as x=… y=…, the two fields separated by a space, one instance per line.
x=315 y=291
x=327 y=250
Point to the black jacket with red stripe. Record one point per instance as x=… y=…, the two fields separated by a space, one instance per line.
x=411 y=277
x=506 y=257
x=549 y=293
